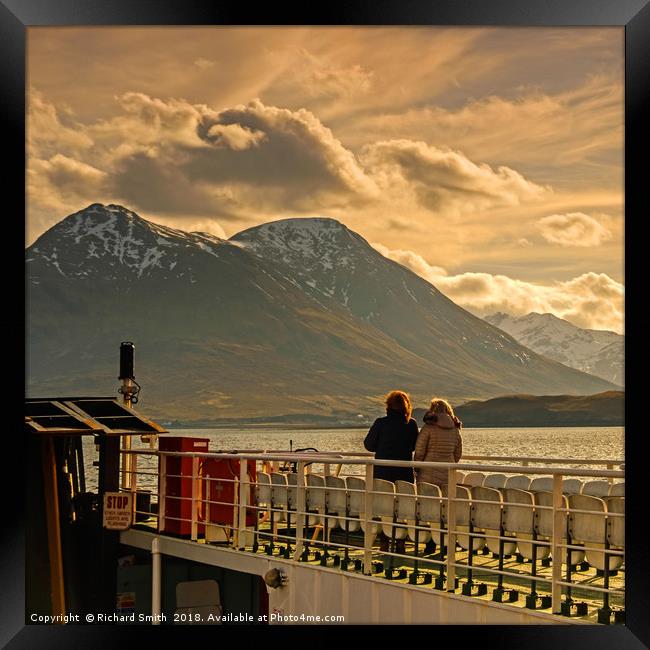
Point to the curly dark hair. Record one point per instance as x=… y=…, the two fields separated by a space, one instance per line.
x=398 y=400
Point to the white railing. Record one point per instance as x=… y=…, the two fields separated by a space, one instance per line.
x=244 y=522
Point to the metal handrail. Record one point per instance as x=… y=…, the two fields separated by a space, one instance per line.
x=241 y=505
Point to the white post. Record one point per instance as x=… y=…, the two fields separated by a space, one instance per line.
x=559 y=527
x=451 y=529
x=155 y=581
x=367 y=537
x=244 y=488
x=162 y=480
x=301 y=504
x=195 y=497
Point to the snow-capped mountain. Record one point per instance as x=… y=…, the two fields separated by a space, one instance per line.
x=295 y=316
x=113 y=243
x=598 y=352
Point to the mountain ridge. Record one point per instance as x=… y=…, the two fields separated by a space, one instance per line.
x=230 y=327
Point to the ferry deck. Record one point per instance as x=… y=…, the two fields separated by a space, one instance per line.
x=312 y=537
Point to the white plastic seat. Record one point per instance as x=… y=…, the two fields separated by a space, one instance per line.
x=541 y=484
x=430 y=510
x=263 y=490
x=463 y=516
x=616 y=525
x=335 y=499
x=487 y=517
x=383 y=506
x=617 y=489
x=495 y=480
x=355 y=487
x=519 y=519
x=596 y=488
x=518 y=482
x=473 y=479
x=292 y=490
x=406 y=510
x=572 y=486
x=279 y=496
x=544 y=524
x=591 y=528
x=315 y=498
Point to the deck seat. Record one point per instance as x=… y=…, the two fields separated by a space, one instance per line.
x=383 y=507
x=335 y=500
x=315 y=498
x=473 y=479
x=495 y=481
x=616 y=525
x=617 y=489
x=544 y=523
x=591 y=529
x=572 y=486
x=263 y=490
x=406 y=511
x=519 y=519
x=355 y=487
x=279 y=496
x=518 y=481
x=487 y=517
x=541 y=484
x=596 y=488
x=431 y=509
x=463 y=516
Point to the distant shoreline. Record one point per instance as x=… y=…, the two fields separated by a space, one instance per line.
x=605 y=409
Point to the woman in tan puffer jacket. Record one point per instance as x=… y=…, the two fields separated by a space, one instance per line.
x=439 y=441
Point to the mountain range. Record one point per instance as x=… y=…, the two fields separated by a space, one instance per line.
x=292 y=316
x=598 y=352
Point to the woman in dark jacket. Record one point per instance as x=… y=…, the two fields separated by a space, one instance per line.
x=393 y=437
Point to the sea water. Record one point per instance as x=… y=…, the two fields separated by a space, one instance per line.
x=589 y=443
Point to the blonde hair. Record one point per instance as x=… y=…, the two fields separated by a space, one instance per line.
x=439 y=405
x=398 y=400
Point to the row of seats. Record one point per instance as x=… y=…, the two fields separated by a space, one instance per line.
x=398 y=508
x=598 y=488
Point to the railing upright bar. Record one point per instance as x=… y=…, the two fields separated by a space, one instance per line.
x=244 y=489
x=301 y=504
x=367 y=536
x=195 y=496
x=556 y=552
x=451 y=528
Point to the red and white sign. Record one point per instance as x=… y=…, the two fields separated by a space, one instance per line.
x=118 y=510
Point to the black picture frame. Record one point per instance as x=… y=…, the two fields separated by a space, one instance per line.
x=634 y=15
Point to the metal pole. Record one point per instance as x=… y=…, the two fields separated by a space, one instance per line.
x=556 y=552
x=451 y=529
x=368 y=537
x=126 y=440
x=155 y=581
x=300 y=509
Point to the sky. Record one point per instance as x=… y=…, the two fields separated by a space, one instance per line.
x=487 y=160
